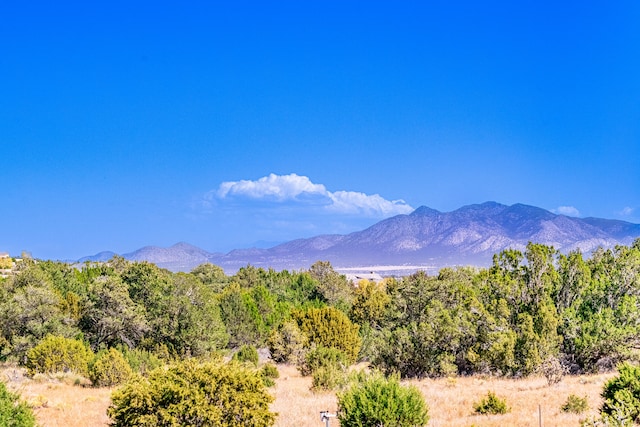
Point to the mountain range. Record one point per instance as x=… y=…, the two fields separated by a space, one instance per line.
x=424 y=239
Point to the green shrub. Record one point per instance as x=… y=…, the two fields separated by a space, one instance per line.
x=110 y=368
x=287 y=344
x=141 y=361
x=13 y=412
x=189 y=393
x=621 y=395
x=322 y=357
x=491 y=404
x=59 y=354
x=329 y=327
x=575 y=404
x=270 y=370
x=375 y=401
x=327 y=366
x=266 y=381
x=328 y=378
x=268 y=373
x=247 y=354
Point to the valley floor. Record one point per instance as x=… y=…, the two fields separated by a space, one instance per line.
x=58 y=402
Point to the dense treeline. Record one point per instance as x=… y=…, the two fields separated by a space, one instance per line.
x=511 y=318
x=526 y=309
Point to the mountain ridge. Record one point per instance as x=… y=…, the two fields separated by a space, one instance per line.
x=425 y=238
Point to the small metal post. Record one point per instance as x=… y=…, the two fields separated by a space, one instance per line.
x=325 y=416
x=540 y=414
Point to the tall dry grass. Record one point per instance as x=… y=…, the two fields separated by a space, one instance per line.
x=58 y=402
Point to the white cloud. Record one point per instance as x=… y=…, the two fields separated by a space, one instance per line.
x=567 y=210
x=296 y=188
x=354 y=202
x=627 y=211
x=278 y=187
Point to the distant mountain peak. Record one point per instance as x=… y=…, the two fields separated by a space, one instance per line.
x=425 y=211
x=485 y=205
x=425 y=239
x=184 y=245
x=529 y=211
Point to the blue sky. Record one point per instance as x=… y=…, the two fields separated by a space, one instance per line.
x=125 y=124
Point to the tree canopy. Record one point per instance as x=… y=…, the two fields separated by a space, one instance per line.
x=508 y=319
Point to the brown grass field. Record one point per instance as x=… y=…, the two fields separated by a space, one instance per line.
x=58 y=402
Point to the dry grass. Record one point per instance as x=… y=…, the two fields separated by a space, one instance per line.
x=451 y=400
x=295 y=404
x=58 y=402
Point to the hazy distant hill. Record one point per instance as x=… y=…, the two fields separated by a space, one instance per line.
x=99 y=257
x=179 y=257
x=426 y=237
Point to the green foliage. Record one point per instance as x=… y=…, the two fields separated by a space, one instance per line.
x=141 y=361
x=329 y=327
x=599 y=335
x=110 y=368
x=372 y=342
x=31 y=308
x=271 y=312
x=287 y=343
x=621 y=395
x=193 y=394
x=303 y=291
x=270 y=370
x=250 y=276
x=370 y=303
x=328 y=378
x=327 y=366
x=268 y=373
x=575 y=404
x=211 y=275
x=602 y=324
x=250 y=314
x=181 y=311
x=528 y=308
x=13 y=412
x=247 y=354
x=110 y=316
x=194 y=326
x=433 y=327
x=375 y=401
x=59 y=354
x=491 y=404
x=320 y=357
x=333 y=287
x=527 y=349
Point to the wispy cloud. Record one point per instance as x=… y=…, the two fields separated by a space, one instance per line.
x=354 y=202
x=627 y=211
x=301 y=190
x=566 y=210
